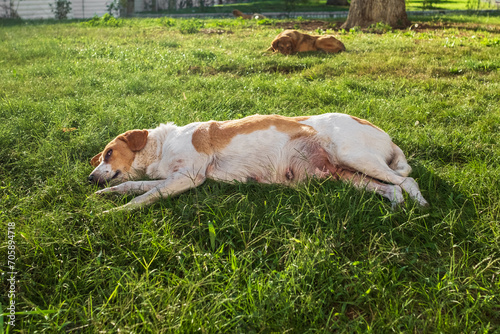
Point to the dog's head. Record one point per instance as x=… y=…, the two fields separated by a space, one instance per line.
x=336 y=45
x=237 y=13
x=284 y=45
x=113 y=164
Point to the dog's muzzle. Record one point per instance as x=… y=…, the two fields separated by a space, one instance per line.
x=100 y=181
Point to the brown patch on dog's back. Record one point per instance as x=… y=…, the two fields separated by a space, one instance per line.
x=365 y=122
x=213 y=136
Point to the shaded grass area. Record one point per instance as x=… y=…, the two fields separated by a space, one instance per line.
x=246 y=257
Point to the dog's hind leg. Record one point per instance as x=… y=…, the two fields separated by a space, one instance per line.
x=386 y=174
x=399 y=163
x=374 y=167
x=361 y=181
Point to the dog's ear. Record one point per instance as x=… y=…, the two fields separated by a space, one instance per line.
x=96 y=160
x=274 y=44
x=294 y=41
x=135 y=139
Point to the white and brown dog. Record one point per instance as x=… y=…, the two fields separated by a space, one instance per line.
x=265 y=149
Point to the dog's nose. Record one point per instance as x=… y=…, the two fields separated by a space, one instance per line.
x=91 y=178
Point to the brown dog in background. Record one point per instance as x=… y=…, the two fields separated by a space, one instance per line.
x=238 y=13
x=244 y=16
x=291 y=41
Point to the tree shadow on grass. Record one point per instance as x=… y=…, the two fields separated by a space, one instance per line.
x=38 y=22
x=334 y=202
x=328 y=232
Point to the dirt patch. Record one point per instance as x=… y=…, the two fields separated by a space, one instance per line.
x=216 y=31
x=425 y=26
x=310 y=25
x=205 y=70
x=314 y=25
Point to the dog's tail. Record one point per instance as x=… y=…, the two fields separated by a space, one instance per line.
x=399 y=163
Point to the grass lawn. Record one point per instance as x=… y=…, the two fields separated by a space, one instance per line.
x=248 y=258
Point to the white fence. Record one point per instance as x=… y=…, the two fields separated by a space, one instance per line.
x=40 y=9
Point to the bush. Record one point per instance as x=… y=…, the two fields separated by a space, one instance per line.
x=191 y=26
x=167 y=22
x=379 y=28
x=105 y=21
x=61 y=9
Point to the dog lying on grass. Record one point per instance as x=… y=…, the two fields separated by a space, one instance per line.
x=292 y=41
x=259 y=148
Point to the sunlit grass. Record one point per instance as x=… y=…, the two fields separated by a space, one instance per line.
x=320 y=257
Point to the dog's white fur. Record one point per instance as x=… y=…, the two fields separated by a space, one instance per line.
x=266 y=149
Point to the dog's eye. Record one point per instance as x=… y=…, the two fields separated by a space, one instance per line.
x=108 y=154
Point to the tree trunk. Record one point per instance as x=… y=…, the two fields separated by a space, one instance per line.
x=130 y=7
x=364 y=13
x=337 y=3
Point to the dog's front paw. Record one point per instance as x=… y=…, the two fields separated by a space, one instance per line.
x=123 y=208
x=105 y=190
x=105 y=212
